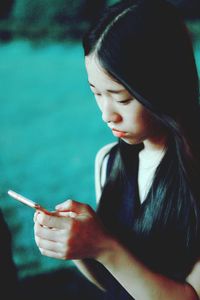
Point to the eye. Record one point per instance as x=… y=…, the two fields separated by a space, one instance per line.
x=95 y=93
x=127 y=101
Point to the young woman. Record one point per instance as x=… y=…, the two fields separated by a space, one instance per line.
x=143 y=242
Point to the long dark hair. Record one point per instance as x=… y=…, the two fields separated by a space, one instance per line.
x=146 y=46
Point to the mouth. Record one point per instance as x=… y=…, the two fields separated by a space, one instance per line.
x=118 y=133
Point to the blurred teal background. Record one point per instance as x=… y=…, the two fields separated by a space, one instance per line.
x=50 y=130
x=50 y=125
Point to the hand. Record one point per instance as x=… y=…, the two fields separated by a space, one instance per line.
x=75 y=232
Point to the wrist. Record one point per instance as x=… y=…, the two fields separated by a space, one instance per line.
x=109 y=251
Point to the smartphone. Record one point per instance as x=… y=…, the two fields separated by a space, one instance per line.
x=29 y=202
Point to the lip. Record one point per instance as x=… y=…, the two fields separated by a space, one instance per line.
x=118 y=133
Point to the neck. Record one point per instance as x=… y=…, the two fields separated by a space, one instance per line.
x=155 y=143
x=153 y=151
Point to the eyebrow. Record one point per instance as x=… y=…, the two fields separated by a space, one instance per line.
x=110 y=91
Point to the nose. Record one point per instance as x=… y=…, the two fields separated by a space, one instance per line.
x=108 y=118
x=109 y=114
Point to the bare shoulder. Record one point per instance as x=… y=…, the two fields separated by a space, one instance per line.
x=194 y=277
x=100 y=168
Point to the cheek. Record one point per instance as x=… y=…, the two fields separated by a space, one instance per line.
x=139 y=118
x=148 y=121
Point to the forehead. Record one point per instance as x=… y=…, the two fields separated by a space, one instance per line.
x=98 y=77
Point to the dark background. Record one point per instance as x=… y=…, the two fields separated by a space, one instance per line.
x=62 y=19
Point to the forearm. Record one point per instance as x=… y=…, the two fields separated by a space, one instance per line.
x=139 y=281
x=91 y=271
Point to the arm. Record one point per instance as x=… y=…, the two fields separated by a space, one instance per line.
x=89 y=268
x=143 y=284
x=95 y=243
x=83 y=236
x=77 y=233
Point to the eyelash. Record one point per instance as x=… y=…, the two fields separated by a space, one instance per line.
x=125 y=101
x=121 y=102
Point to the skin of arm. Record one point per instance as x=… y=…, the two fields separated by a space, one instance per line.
x=77 y=233
x=91 y=272
x=142 y=283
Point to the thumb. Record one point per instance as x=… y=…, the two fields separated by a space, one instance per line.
x=65 y=206
x=73 y=206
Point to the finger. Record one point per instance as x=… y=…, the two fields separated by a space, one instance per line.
x=68 y=205
x=56 y=222
x=74 y=206
x=35 y=215
x=39 y=211
x=50 y=245
x=49 y=234
x=69 y=214
x=52 y=254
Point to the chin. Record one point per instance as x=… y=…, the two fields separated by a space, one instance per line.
x=132 y=141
